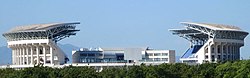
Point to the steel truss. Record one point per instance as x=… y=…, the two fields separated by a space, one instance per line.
x=198 y=34
x=56 y=33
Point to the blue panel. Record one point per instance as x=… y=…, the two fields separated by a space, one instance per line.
x=187 y=53
x=191 y=51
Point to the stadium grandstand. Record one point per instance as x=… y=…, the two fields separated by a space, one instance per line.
x=211 y=42
x=37 y=44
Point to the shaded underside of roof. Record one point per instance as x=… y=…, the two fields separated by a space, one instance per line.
x=184 y=31
x=189 y=32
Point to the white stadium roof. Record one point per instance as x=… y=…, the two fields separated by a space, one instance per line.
x=38 y=27
x=214 y=26
x=201 y=31
x=54 y=31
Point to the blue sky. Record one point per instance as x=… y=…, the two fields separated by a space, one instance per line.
x=126 y=23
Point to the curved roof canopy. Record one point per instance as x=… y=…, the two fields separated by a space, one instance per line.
x=203 y=31
x=54 y=31
x=213 y=26
x=38 y=27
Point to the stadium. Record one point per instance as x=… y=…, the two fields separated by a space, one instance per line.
x=37 y=44
x=211 y=42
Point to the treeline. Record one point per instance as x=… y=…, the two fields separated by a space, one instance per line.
x=237 y=69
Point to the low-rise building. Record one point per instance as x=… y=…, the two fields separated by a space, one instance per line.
x=123 y=55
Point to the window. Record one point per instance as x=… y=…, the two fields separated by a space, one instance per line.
x=100 y=54
x=212 y=50
x=228 y=49
x=157 y=54
x=206 y=57
x=164 y=54
x=164 y=59
x=206 y=50
x=91 y=54
x=83 y=54
x=150 y=59
x=224 y=49
x=219 y=57
x=34 y=52
x=218 y=49
x=157 y=59
x=224 y=56
x=150 y=54
x=41 y=51
x=213 y=58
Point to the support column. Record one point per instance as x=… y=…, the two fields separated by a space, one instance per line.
x=31 y=55
x=44 y=55
x=238 y=52
x=229 y=52
x=13 y=56
x=222 y=52
x=37 y=54
x=232 y=52
x=27 y=55
x=51 y=55
x=209 y=52
x=18 y=56
x=19 y=53
x=225 y=52
x=216 y=51
x=23 y=56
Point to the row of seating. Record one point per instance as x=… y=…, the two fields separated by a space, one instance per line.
x=191 y=51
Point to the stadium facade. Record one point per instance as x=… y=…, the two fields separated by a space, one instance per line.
x=37 y=44
x=123 y=55
x=211 y=42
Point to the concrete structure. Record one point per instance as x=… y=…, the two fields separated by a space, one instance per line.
x=36 y=44
x=211 y=42
x=123 y=55
x=100 y=58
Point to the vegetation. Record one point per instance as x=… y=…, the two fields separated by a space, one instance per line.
x=237 y=69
